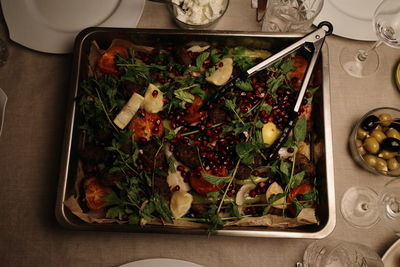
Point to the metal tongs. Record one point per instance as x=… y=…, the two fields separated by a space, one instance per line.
x=311 y=42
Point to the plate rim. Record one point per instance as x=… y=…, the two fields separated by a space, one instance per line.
x=390 y=250
x=331 y=13
x=160 y=260
x=30 y=32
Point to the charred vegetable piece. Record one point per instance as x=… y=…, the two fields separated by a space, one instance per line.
x=94 y=192
x=107 y=61
x=145 y=125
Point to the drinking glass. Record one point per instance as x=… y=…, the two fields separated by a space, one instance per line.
x=336 y=253
x=362 y=207
x=386 y=21
x=290 y=15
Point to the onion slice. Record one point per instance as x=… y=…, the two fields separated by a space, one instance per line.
x=128 y=111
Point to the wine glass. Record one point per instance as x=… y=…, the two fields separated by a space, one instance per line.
x=362 y=207
x=386 y=21
x=331 y=252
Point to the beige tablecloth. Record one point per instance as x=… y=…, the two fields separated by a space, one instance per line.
x=30 y=148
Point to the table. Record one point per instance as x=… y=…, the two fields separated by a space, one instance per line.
x=30 y=148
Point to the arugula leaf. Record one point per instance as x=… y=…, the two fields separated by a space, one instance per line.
x=216 y=180
x=300 y=129
x=244 y=85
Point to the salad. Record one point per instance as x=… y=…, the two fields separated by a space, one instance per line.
x=154 y=150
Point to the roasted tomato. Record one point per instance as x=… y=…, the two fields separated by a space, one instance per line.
x=297 y=193
x=194 y=114
x=94 y=191
x=145 y=125
x=106 y=62
x=297 y=75
x=202 y=186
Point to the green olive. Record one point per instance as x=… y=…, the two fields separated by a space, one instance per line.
x=379 y=135
x=371 y=145
x=361 y=133
x=391 y=132
x=361 y=150
x=386 y=154
x=381 y=165
x=370 y=160
x=385 y=119
x=393 y=164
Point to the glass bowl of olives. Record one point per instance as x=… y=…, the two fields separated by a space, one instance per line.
x=375 y=141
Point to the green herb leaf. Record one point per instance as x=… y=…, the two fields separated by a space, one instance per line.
x=246 y=152
x=216 y=180
x=285 y=171
x=171 y=166
x=297 y=179
x=201 y=58
x=111 y=199
x=300 y=129
x=274 y=198
x=117 y=212
x=184 y=96
x=245 y=86
x=161 y=207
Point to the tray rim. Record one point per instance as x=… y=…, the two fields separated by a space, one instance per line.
x=61 y=216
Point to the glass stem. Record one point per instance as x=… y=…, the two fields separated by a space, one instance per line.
x=363 y=54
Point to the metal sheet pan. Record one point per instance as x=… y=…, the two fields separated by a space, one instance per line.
x=273 y=42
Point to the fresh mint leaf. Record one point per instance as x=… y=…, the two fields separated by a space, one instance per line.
x=274 y=198
x=300 y=129
x=216 y=180
x=310 y=195
x=198 y=91
x=201 y=58
x=297 y=179
x=285 y=171
x=246 y=152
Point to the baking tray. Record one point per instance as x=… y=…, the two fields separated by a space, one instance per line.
x=272 y=42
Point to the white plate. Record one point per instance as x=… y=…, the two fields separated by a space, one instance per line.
x=51 y=25
x=391 y=258
x=160 y=263
x=350 y=18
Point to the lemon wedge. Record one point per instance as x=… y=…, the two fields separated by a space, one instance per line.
x=223 y=72
x=180 y=203
x=275 y=189
x=270 y=133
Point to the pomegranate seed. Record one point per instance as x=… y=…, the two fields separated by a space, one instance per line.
x=154 y=93
x=176 y=188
